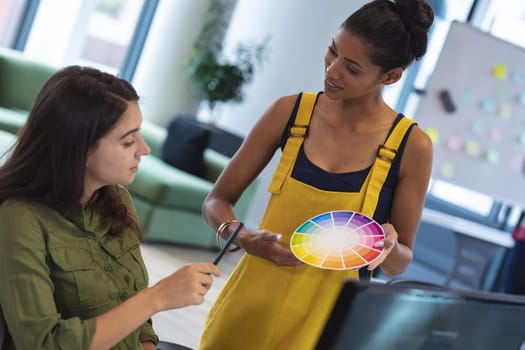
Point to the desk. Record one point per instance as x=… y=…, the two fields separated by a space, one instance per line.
x=480 y=251
x=467 y=227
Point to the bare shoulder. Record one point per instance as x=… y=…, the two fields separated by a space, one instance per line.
x=419 y=141
x=419 y=147
x=282 y=107
x=274 y=119
x=257 y=149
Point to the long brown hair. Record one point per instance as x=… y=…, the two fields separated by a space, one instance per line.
x=75 y=108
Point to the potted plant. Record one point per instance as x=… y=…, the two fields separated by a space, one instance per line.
x=216 y=77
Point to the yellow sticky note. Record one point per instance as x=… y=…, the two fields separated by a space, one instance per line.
x=433 y=133
x=500 y=71
x=472 y=148
x=447 y=170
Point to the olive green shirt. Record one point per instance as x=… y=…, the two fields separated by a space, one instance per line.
x=58 y=274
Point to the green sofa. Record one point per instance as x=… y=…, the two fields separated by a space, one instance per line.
x=6 y=141
x=20 y=81
x=167 y=200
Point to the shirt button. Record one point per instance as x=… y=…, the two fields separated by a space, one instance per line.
x=107 y=268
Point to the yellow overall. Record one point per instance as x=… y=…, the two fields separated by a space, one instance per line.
x=266 y=307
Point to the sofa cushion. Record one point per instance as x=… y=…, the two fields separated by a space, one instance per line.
x=167 y=186
x=184 y=145
x=12 y=120
x=22 y=79
x=154 y=135
x=7 y=140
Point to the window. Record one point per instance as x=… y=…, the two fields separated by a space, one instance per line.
x=11 y=13
x=95 y=33
x=506 y=19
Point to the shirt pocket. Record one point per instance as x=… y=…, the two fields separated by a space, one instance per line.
x=125 y=250
x=77 y=279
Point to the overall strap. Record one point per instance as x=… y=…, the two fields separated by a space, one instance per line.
x=297 y=132
x=386 y=154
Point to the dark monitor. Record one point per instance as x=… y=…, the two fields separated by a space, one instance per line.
x=372 y=316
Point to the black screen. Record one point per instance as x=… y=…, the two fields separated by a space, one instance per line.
x=372 y=316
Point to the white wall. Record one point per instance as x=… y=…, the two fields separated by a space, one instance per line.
x=160 y=78
x=300 y=33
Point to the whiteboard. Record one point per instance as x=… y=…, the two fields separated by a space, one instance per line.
x=480 y=143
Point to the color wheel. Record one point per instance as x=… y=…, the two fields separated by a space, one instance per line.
x=338 y=240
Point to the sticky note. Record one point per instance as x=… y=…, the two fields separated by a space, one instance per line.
x=447 y=170
x=495 y=133
x=471 y=148
x=521 y=98
x=500 y=93
x=500 y=71
x=453 y=143
x=467 y=97
x=478 y=127
x=433 y=133
x=521 y=138
x=518 y=75
x=492 y=156
x=515 y=161
x=488 y=105
x=505 y=111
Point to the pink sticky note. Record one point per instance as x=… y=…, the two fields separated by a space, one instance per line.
x=495 y=133
x=515 y=162
x=453 y=143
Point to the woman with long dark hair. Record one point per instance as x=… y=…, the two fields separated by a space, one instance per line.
x=71 y=271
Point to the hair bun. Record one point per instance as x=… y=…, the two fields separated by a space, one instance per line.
x=417 y=17
x=416 y=14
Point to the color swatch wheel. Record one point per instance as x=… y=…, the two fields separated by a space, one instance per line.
x=338 y=240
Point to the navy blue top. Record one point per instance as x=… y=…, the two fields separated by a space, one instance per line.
x=309 y=173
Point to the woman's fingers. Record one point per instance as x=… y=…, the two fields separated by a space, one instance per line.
x=270 y=237
x=387 y=244
x=188 y=285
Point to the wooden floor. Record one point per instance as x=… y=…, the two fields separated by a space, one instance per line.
x=183 y=326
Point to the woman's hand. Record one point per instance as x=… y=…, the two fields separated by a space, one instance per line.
x=149 y=346
x=266 y=245
x=187 y=286
x=388 y=244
